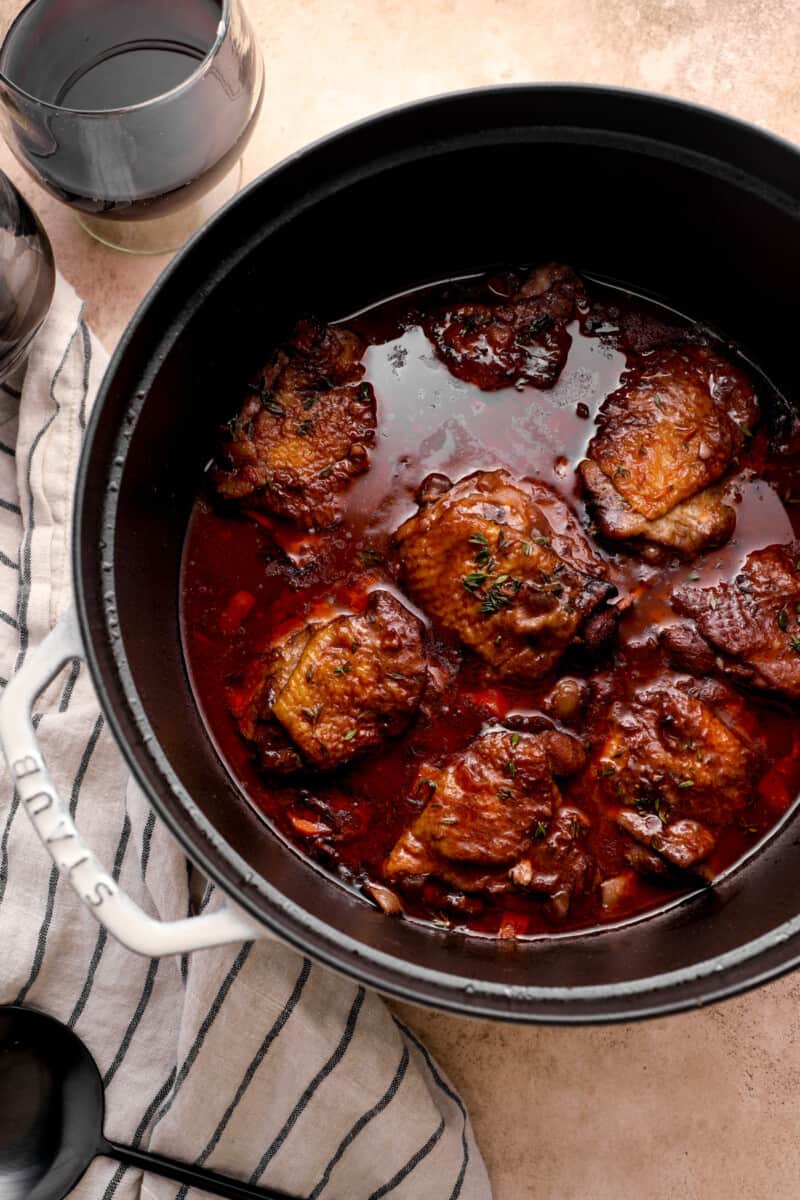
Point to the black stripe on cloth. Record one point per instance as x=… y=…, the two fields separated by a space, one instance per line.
x=413 y=1162
x=255 y=1063
x=448 y=1091
x=185 y=957
x=69 y=686
x=202 y=1033
x=140 y=1132
x=3 y=681
x=207 y=894
x=102 y=933
x=9 y=507
x=147 y=837
x=23 y=596
x=87 y=360
x=363 y=1121
x=12 y=391
x=8 y=562
x=133 y=1025
x=322 y=1074
x=9 y=450
x=44 y=928
x=8 y=620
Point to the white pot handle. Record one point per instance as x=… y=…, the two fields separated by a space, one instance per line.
x=51 y=819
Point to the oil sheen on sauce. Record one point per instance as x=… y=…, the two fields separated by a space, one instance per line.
x=430 y=421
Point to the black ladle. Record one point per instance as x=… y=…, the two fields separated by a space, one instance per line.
x=51 y=1117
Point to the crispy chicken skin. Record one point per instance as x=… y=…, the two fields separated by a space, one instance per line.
x=487 y=824
x=750 y=627
x=668 y=754
x=336 y=688
x=670 y=431
x=696 y=524
x=304 y=431
x=521 y=340
x=503 y=565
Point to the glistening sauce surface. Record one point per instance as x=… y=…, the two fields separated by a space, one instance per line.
x=428 y=420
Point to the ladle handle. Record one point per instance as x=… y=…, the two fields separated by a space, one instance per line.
x=208 y=1181
x=51 y=819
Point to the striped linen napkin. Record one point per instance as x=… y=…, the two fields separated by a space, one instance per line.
x=247 y=1058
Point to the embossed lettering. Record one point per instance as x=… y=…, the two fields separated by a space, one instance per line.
x=46 y=802
x=60 y=837
x=96 y=897
x=25 y=766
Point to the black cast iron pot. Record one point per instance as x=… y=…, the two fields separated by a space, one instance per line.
x=678 y=202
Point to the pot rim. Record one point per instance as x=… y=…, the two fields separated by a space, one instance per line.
x=701 y=983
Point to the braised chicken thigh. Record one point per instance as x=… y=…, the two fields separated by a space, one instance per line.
x=337 y=687
x=483 y=560
x=748 y=629
x=671 y=430
x=487 y=823
x=523 y=339
x=305 y=429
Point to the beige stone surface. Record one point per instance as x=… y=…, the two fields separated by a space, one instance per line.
x=703 y=1106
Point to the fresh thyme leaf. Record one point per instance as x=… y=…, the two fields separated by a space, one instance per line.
x=474 y=580
x=312 y=715
x=309 y=674
x=309 y=403
x=477 y=539
x=622 y=472
x=497 y=598
x=515 y=739
x=343 y=669
x=364 y=391
x=542 y=541
x=694 y=575
x=794 y=642
x=527 y=549
x=783 y=619
x=511 y=768
x=305 y=427
x=686 y=783
x=504 y=793
x=325 y=472
x=712 y=602
x=659 y=403
x=608 y=769
x=396 y=675
x=540 y=830
x=482 y=558
x=431 y=783
x=273 y=407
x=351 y=733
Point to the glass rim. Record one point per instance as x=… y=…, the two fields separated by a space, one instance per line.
x=201 y=69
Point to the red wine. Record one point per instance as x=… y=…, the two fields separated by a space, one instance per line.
x=89 y=59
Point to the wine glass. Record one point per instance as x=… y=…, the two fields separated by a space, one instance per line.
x=27 y=277
x=133 y=112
